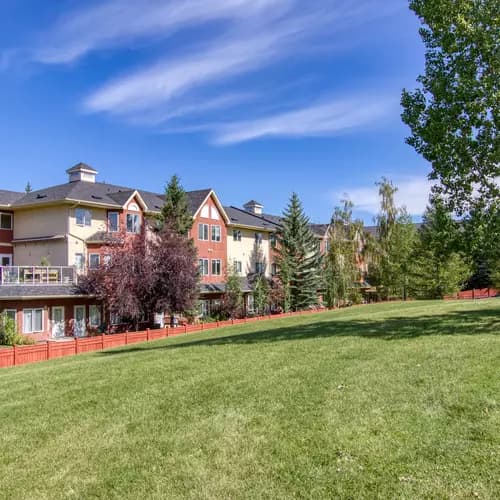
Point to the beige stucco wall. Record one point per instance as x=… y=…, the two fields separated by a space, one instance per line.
x=99 y=222
x=245 y=250
x=27 y=254
x=37 y=222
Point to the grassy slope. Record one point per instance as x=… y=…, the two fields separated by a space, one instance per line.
x=392 y=400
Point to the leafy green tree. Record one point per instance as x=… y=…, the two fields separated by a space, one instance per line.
x=439 y=269
x=175 y=212
x=261 y=292
x=341 y=266
x=298 y=258
x=232 y=302
x=392 y=248
x=453 y=115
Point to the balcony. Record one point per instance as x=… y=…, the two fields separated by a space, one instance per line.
x=37 y=275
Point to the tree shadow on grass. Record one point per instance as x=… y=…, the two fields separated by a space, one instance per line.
x=472 y=322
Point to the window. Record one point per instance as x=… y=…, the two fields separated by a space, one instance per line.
x=327 y=245
x=272 y=239
x=83 y=217
x=203 y=232
x=258 y=238
x=107 y=260
x=5 y=221
x=236 y=235
x=32 y=320
x=79 y=261
x=94 y=261
x=5 y=259
x=94 y=316
x=115 y=318
x=203 y=267
x=113 y=222
x=216 y=267
x=216 y=233
x=10 y=314
x=259 y=267
x=133 y=223
x=274 y=269
x=238 y=266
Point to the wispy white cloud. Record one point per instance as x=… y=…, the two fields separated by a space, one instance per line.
x=328 y=118
x=109 y=23
x=226 y=57
x=413 y=192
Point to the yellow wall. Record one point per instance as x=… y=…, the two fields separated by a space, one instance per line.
x=28 y=254
x=36 y=222
x=244 y=250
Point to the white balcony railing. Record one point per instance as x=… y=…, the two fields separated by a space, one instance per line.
x=37 y=275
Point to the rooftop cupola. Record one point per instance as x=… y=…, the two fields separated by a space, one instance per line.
x=254 y=207
x=81 y=172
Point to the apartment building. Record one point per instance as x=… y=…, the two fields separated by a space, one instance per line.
x=50 y=236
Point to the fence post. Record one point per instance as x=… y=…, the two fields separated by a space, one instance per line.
x=48 y=350
x=76 y=345
x=14 y=356
x=126 y=338
x=185 y=328
x=218 y=324
x=102 y=341
x=232 y=321
x=473 y=297
x=147 y=334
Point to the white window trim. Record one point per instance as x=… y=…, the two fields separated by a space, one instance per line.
x=32 y=316
x=117 y=222
x=213 y=261
x=202 y=266
x=2 y=255
x=215 y=227
x=99 y=315
x=85 y=220
x=11 y=222
x=5 y=311
x=98 y=260
x=202 y=238
x=134 y=215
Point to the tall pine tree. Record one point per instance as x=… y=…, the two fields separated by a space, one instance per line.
x=439 y=268
x=298 y=258
x=175 y=211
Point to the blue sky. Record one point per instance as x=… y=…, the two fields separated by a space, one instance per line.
x=255 y=98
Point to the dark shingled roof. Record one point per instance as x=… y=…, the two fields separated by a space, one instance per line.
x=319 y=229
x=196 y=198
x=10 y=292
x=99 y=192
x=241 y=217
x=276 y=219
x=9 y=197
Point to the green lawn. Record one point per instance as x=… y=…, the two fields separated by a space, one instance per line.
x=382 y=401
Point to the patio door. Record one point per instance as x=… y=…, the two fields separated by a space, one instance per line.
x=58 y=329
x=79 y=328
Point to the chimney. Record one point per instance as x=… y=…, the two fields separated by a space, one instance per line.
x=254 y=207
x=81 y=172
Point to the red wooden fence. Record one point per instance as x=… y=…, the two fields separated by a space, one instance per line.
x=20 y=355
x=478 y=293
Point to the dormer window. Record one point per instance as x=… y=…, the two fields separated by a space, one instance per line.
x=83 y=217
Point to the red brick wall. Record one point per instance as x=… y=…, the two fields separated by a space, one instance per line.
x=46 y=305
x=211 y=249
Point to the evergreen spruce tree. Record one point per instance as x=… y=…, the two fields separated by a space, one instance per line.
x=439 y=269
x=28 y=188
x=175 y=211
x=298 y=258
x=341 y=262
